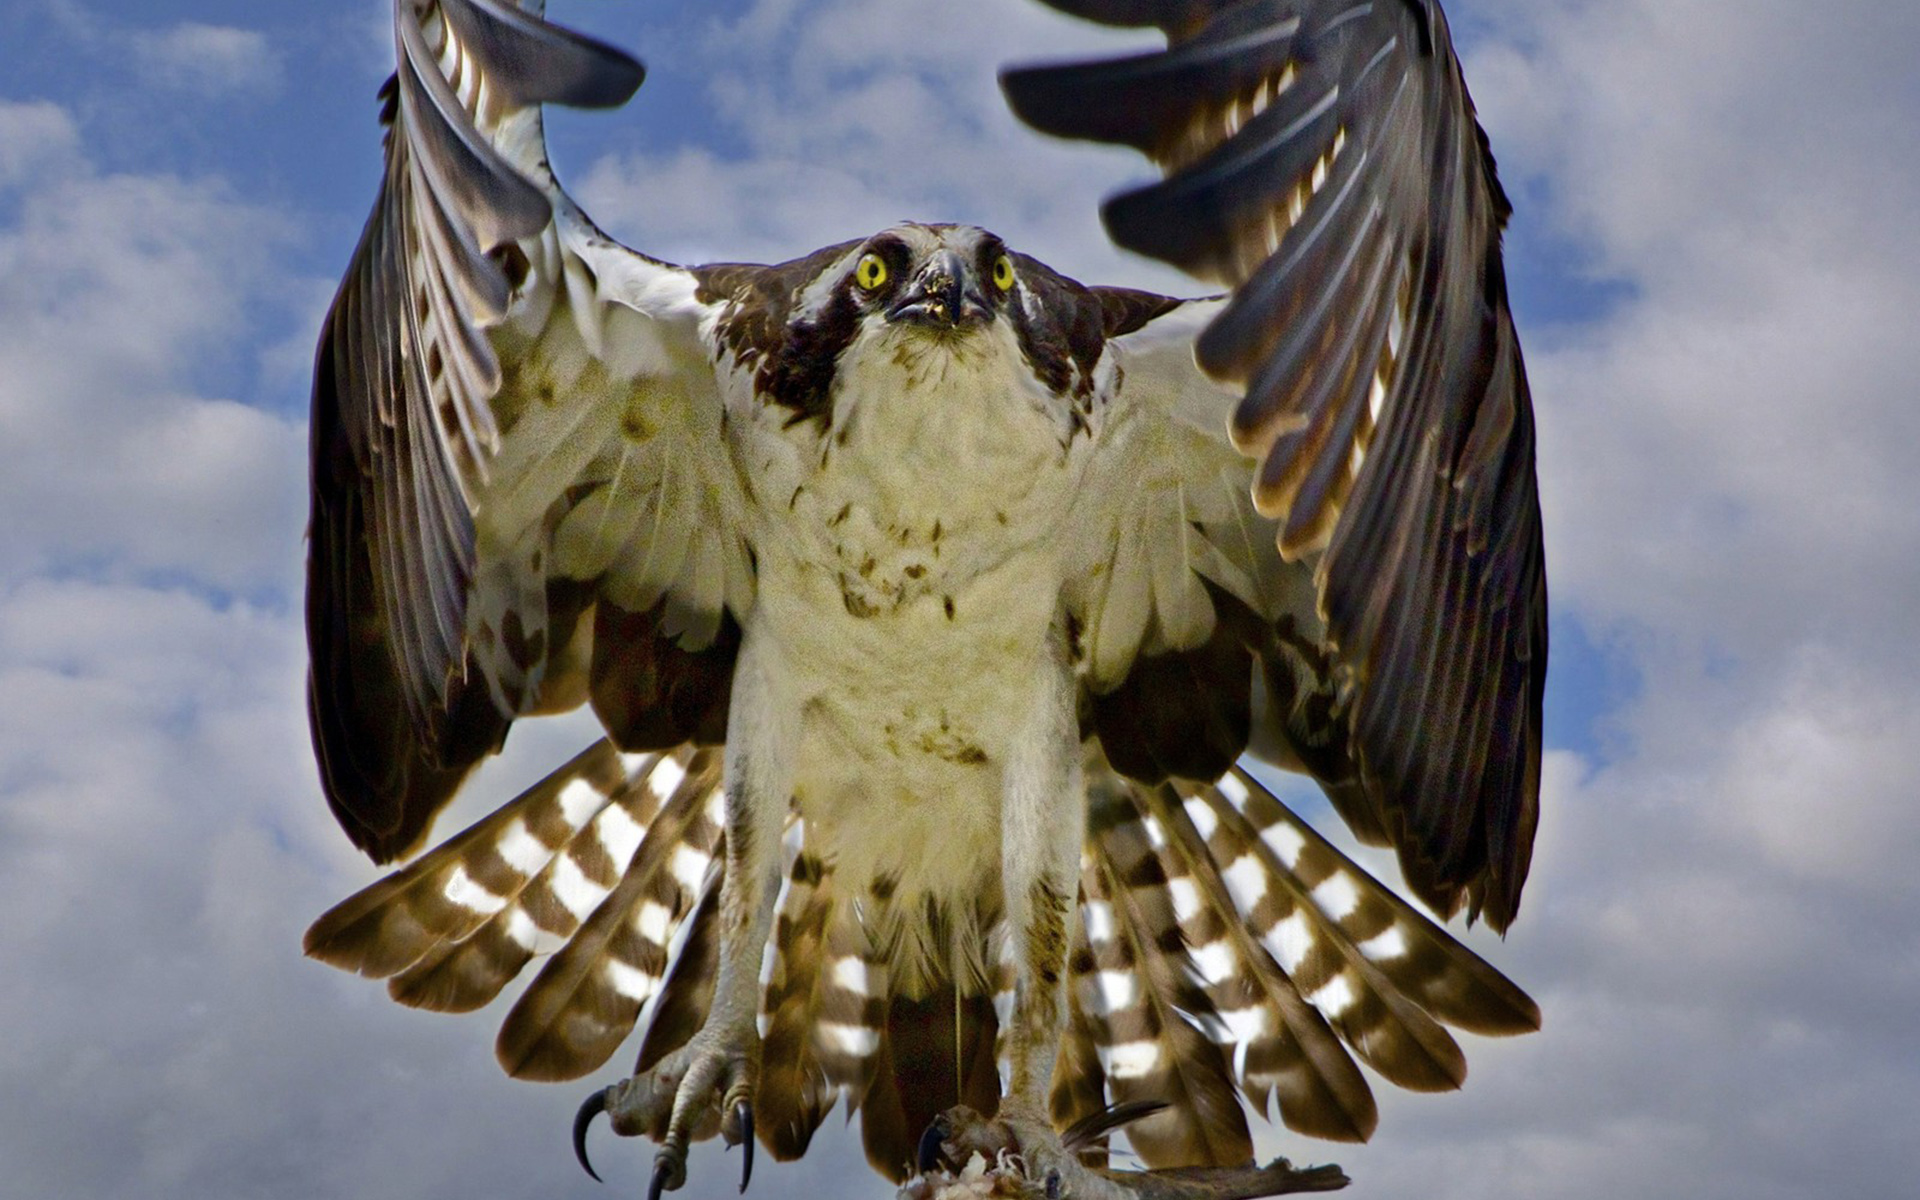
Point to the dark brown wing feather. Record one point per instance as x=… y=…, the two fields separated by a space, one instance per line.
x=1323 y=159
x=400 y=423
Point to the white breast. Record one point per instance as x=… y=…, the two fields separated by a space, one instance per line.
x=940 y=463
x=907 y=571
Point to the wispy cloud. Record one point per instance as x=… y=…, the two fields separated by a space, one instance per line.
x=37 y=138
x=206 y=60
x=114 y=289
x=855 y=114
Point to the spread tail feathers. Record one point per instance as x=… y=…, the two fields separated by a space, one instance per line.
x=1225 y=951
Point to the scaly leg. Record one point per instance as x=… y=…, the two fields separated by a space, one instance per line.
x=1043 y=827
x=720 y=1064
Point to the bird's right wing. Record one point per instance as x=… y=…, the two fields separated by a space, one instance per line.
x=515 y=438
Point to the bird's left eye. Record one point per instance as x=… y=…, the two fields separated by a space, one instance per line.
x=1003 y=273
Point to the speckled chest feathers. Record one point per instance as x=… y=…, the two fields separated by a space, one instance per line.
x=911 y=412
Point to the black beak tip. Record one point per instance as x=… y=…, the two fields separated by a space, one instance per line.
x=592 y=1107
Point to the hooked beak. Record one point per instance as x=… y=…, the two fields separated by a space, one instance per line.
x=942 y=296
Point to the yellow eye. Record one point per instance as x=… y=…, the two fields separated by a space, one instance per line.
x=1003 y=273
x=871 y=273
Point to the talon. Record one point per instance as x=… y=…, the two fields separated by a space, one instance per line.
x=743 y=1112
x=931 y=1149
x=662 y=1170
x=591 y=1108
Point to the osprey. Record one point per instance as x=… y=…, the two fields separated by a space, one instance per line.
x=930 y=601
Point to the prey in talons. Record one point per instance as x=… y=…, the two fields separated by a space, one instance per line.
x=966 y=1156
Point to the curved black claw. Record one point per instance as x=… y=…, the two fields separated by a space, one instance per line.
x=744 y=1112
x=930 y=1152
x=660 y=1172
x=593 y=1107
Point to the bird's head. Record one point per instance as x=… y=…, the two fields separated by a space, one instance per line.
x=916 y=305
x=945 y=280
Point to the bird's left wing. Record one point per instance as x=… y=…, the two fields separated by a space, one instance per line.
x=1321 y=158
x=515 y=438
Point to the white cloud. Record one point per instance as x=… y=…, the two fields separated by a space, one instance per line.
x=860 y=113
x=114 y=291
x=1746 y=414
x=194 y=58
x=206 y=60
x=35 y=137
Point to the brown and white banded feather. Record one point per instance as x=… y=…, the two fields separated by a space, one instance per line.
x=1079 y=1079
x=674 y=1015
x=1137 y=991
x=481 y=876
x=1223 y=949
x=459 y=976
x=1412 y=954
x=585 y=1001
x=1282 y=1050
x=795 y=1093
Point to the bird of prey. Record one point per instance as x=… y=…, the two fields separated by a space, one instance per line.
x=935 y=606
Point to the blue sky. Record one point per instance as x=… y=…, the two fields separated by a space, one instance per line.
x=1716 y=271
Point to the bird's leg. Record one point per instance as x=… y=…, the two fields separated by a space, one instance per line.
x=1042 y=829
x=720 y=1065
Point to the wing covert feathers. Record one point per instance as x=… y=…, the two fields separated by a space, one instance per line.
x=1224 y=951
x=1321 y=157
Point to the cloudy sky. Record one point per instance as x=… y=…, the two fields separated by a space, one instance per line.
x=1717 y=270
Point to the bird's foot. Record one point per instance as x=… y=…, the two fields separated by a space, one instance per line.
x=703 y=1088
x=1018 y=1156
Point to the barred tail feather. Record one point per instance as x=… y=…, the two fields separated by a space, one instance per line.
x=1137 y=993
x=585 y=1001
x=479 y=874
x=673 y=1016
x=853 y=1007
x=1079 y=1081
x=1418 y=958
x=1213 y=910
x=794 y=1093
x=460 y=976
x=1281 y=1047
x=1224 y=950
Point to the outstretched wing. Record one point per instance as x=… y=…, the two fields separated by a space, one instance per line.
x=515 y=438
x=1322 y=159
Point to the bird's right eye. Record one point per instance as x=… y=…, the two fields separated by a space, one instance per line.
x=871 y=273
